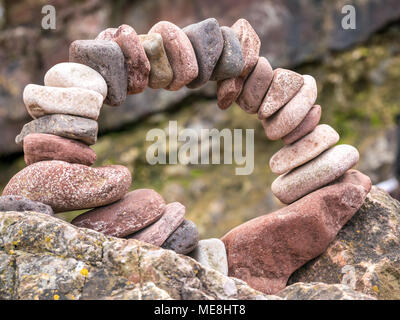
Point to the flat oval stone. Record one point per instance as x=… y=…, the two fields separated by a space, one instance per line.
x=285 y=84
x=68 y=186
x=289 y=117
x=41 y=101
x=66 y=126
x=70 y=74
x=207 y=41
x=308 y=124
x=327 y=167
x=160 y=70
x=107 y=59
x=21 y=204
x=184 y=239
x=136 y=210
x=43 y=147
x=304 y=150
x=256 y=86
x=158 y=232
x=230 y=62
x=180 y=54
x=228 y=92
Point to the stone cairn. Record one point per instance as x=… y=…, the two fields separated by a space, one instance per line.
x=264 y=251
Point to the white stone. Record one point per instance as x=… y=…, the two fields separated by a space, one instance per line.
x=211 y=253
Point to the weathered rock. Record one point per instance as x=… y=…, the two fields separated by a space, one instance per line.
x=207 y=41
x=41 y=147
x=158 y=232
x=106 y=34
x=66 y=126
x=211 y=253
x=365 y=253
x=66 y=186
x=107 y=59
x=228 y=91
x=42 y=100
x=70 y=74
x=180 y=54
x=21 y=204
x=318 y=172
x=184 y=239
x=136 y=210
x=284 y=240
x=160 y=70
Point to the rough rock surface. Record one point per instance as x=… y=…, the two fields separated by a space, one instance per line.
x=184 y=239
x=228 y=91
x=21 y=204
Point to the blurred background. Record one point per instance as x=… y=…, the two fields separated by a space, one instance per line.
x=357 y=72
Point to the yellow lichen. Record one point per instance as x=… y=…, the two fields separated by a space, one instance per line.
x=56 y=297
x=84 y=272
x=375 y=289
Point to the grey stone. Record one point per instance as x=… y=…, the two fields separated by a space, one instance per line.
x=184 y=239
x=21 y=204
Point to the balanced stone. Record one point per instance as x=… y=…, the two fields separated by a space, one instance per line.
x=66 y=126
x=289 y=117
x=230 y=62
x=266 y=250
x=106 y=34
x=207 y=42
x=70 y=74
x=228 y=92
x=160 y=69
x=21 y=204
x=304 y=150
x=211 y=253
x=180 y=54
x=256 y=86
x=327 y=167
x=158 y=232
x=285 y=84
x=307 y=125
x=42 y=147
x=136 y=210
x=184 y=239
x=66 y=186
x=41 y=100
x=107 y=59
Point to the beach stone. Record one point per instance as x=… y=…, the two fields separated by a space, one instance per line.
x=230 y=62
x=41 y=101
x=71 y=74
x=42 y=147
x=327 y=167
x=207 y=41
x=304 y=150
x=21 y=204
x=283 y=241
x=107 y=59
x=68 y=186
x=158 y=232
x=66 y=126
x=136 y=210
x=106 y=34
x=228 y=92
x=184 y=239
x=289 y=117
x=180 y=54
x=256 y=86
x=160 y=70
x=285 y=84
x=307 y=125
x=211 y=253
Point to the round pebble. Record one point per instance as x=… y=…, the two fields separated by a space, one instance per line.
x=184 y=239
x=21 y=204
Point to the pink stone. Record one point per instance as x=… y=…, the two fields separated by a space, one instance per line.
x=228 y=91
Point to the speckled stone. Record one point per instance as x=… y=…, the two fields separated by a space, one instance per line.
x=21 y=204
x=228 y=92
x=107 y=59
x=307 y=125
x=184 y=239
x=230 y=62
x=106 y=34
x=207 y=41
x=66 y=126
x=285 y=84
x=42 y=100
x=160 y=230
x=327 y=167
x=160 y=70
x=289 y=117
x=180 y=54
x=256 y=86
x=43 y=147
x=136 y=210
x=67 y=186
